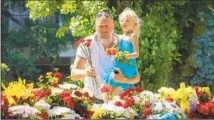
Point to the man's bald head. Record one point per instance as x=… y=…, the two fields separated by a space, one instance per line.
x=104 y=25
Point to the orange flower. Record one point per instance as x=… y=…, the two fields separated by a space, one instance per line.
x=111 y=51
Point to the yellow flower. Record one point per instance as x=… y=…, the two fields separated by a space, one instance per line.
x=166 y=92
x=182 y=95
x=40 y=78
x=97 y=113
x=48 y=75
x=17 y=89
x=205 y=90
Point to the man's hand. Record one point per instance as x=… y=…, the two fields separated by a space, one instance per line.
x=90 y=72
x=119 y=77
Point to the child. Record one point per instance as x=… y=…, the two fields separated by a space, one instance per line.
x=128 y=42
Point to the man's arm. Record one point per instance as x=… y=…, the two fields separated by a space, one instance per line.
x=119 y=77
x=79 y=72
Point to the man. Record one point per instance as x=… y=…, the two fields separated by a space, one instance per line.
x=102 y=63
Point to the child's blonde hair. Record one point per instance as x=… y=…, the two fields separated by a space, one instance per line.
x=129 y=12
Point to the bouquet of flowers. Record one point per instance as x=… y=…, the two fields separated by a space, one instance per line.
x=84 y=45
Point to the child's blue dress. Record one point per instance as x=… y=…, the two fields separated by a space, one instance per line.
x=128 y=70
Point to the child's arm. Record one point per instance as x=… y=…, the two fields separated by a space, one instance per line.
x=135 y=42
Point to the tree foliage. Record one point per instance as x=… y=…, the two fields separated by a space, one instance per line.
x=204 y=56
x=38 y=37
x=79 y=16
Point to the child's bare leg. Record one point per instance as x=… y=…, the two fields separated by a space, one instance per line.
x=117 y=90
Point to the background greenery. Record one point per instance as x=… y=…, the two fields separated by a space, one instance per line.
x=174 y=45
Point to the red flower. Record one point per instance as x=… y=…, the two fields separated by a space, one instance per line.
x=147 y=104
x=130 y=89
x=126 y=105
x=203 y=109
x=212 y=111
x=55 y=84
x=78 y=93
x=130 y=100
x=4 y=103
x=169 y=99
x=57 y=75
x=15 y=98
x=123 y=95
x=47 y=92
x=78 y=42
x=210 y=105
x=90 y=113
x=76 y=118
x=86 y=94
x=87 y=42
x=44 y=115
x=68 y=100
x=138 y=89
x=146 y=112
x=118 y=103
x=64 y=94
x=106 y=88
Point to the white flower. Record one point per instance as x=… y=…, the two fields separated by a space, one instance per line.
x=25 y=111
x=56 y=91
x=157 y=97
x=193 y=98
x=73 y=115
x=147 y=95
x=67 y=86
x=158 y=107
x=41 y=103
x=58 y=110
